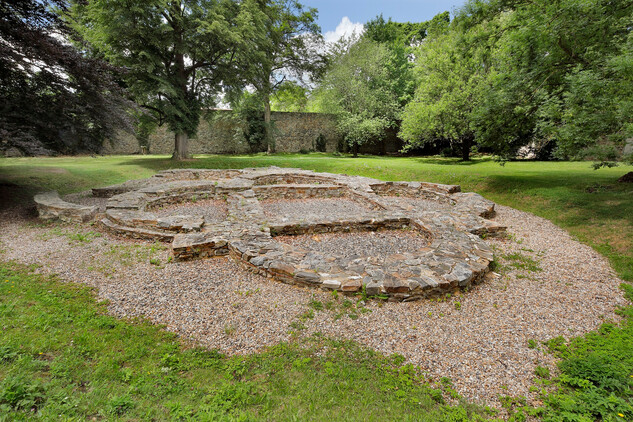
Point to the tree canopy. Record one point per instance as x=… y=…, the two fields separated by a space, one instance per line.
x=289 y=50
x=358 y=89
x=551 y=75
x=177 y=53
x=54 y=99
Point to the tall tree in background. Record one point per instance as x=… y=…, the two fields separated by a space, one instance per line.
x=290 y=96
x=371 y=78
x=53 y=98
x=289 y=48
x=566 y=66
x=551 y=75
x=358 y=89
x=177 y=53
x=452 y=70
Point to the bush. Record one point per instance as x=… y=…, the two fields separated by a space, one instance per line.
x=320 y=144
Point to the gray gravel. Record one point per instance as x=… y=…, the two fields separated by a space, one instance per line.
x=86 y=198
x=348 y=245
x=482 y=346
x=213 y=210
x=416 y=204
x=320 y=208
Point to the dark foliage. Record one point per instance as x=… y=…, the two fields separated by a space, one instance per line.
x=54 y=99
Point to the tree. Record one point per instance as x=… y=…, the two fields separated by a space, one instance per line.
x=53 y=98
x=560 y=75
x=177 y=53
x=452 y=71
x=289 y=47
x=290 y=96
x=407 y=34
x=571 y=58
x=358 y=89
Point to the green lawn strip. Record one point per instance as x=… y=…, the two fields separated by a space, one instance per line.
x=596 y=380
x=63 y=358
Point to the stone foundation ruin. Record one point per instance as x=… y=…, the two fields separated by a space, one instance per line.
x=402 y=240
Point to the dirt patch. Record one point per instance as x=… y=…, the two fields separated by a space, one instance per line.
x=51 y=170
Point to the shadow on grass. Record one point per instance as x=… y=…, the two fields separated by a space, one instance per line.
x=451 y=161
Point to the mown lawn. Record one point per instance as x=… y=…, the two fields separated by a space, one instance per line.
x=63 y=358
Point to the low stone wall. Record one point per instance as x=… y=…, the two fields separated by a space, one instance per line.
x=51 y=207
x=216 y=135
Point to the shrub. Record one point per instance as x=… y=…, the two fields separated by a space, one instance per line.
x=320 y=143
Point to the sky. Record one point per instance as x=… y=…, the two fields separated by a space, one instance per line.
x=341 y=17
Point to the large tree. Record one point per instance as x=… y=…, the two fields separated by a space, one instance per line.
x=554 y=75
x=565 y=65
x=358 y=89
x=452 y=70
x=177 y=53
x=290 y=48
x=54 y=99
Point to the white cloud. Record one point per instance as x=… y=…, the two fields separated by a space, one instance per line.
x=344 y=29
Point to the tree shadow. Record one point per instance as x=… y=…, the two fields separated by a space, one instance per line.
x=451 y=161
x=17 y=200
x=581 y=199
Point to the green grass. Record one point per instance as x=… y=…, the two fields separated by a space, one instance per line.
x=589 y=203
x=63 y=358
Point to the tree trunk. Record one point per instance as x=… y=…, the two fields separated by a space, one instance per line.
x=181 y=150
x=355 y=148
x=270 y=142
x=466 y=143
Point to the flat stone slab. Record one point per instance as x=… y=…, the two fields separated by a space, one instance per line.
x=51 y=207
x=441 y=250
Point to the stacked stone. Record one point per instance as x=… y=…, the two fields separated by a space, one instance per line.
x=456 y=256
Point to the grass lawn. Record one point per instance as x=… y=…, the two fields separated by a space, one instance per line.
x=63 y=358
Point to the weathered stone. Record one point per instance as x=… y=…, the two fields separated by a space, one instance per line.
x=281 y=267
x=455 y=256
x=463 y=274
x=51 y=207
x=394 y=285
x=351 y=285
x=373 y=288
x=331 y=284
x=308 y=277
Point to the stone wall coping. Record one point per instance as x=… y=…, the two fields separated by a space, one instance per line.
x=51 y=206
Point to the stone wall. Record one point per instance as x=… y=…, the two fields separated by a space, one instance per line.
x=216 y=135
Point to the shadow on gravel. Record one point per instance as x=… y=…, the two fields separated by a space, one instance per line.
x=16 y=201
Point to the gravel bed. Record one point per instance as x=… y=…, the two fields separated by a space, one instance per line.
x=296 y=209
x=360 y=244
x=213 y=210
x=416 y=204
x=86 y=198
x=482 y=346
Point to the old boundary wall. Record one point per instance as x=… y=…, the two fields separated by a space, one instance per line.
x=294 y=131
